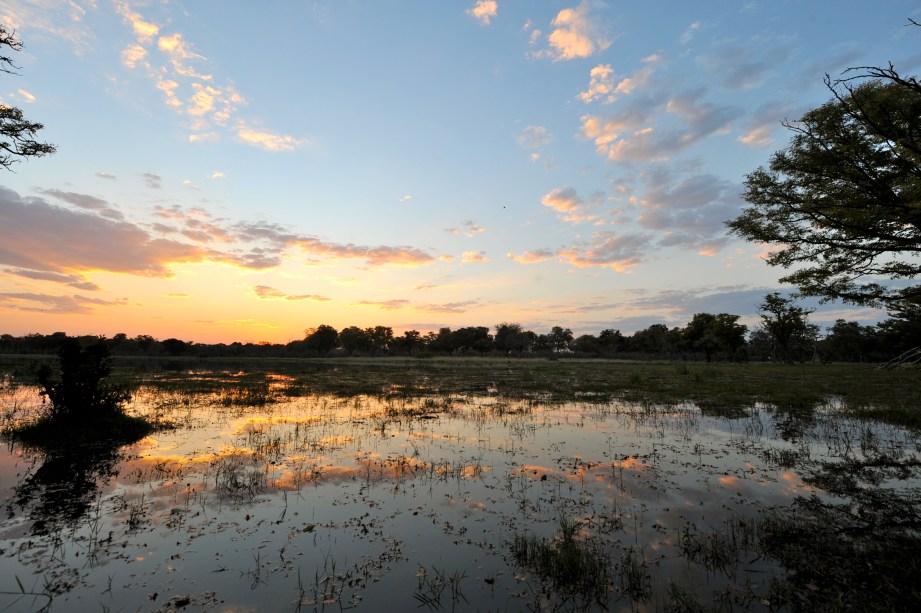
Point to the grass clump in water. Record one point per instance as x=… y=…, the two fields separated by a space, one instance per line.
x=574 y=568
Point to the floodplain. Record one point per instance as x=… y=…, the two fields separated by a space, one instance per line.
x=474 y=484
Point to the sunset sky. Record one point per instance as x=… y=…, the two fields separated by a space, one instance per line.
x=244 y=171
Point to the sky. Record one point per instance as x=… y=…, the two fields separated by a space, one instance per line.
x=236 y=171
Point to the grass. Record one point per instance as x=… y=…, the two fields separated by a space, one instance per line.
x=860 y=553
x=573 y=567
x=725 y=390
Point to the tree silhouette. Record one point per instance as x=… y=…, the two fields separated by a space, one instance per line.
x=17 y=134
x=841 y=201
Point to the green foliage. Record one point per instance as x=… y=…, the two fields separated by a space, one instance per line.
x=17 y=134
x=841 y=201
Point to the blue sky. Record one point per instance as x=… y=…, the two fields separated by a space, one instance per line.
x=230 y=171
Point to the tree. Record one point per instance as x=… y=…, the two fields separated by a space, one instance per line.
x=611 y=341
x=379 y=338
x=511 y=338
x=79 y=389
x=787 y=325
x=841 y=201
x=560 y=339
x=17 y=134
x=587 y=344
x=321 y=339
x=354 y=339
x=848 y=341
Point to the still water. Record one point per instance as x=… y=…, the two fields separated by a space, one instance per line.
x=275 y=500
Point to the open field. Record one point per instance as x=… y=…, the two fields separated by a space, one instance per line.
x=480 y=484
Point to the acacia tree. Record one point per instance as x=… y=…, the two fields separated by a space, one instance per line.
x=17 y=134
x=787 y=324
x=842 y=200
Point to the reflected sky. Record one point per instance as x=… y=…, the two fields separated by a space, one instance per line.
x=316 y=497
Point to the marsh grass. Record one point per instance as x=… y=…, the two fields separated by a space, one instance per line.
x=573 y=567
x=856 y=549
x=891 y=396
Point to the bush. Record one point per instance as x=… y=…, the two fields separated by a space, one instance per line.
x=79 y=390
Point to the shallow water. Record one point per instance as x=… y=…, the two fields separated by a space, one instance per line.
x=316 y=501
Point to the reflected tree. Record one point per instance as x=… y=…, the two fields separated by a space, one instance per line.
x=62 y=489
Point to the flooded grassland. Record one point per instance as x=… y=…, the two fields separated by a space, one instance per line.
x=489 y=485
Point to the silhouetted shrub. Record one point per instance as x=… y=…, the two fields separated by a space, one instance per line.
x=79 y=389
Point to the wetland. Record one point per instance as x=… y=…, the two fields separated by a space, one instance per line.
x=473 y=484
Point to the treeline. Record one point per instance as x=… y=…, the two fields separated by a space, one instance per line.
x=785 y=335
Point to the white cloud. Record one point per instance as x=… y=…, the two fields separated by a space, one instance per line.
x=602 y=84
x=172 y=63
x=689 y=33
x=484 y=11
x=534 y=137
x=474 y=257
x=575 y=34
x=267 y=140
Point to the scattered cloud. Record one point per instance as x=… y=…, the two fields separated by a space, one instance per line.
x=398 y=304
x=38 y=236
x=405 y=199
x=602 y=84
x=764 y=123
x=106 y=175
x=572 y=208
x=534 y=137
x=449 y=307
x=620 y=252
x=387 y=305
x=53 y=304
x=631 y=136
x=484 y=11
x=217 y=174
x=744 y=64
x=270 y=141
x=468 y=228
x=153 y=181
x=575 y=35
x=174 y=66
x=689 y=33
x=474 y=257
x=265 y=292
x=532 y=257
x=689 y=212
x=26 y=96
x=562 y=200
x=72 y=280
x=90 y=203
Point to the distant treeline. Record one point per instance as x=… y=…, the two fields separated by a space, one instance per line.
x=706 y=337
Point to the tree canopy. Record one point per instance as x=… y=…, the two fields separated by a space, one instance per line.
x=843 y=201
x=17 y=134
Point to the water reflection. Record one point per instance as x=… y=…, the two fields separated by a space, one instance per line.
x=65 y=485
x=272 y=495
